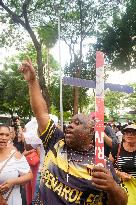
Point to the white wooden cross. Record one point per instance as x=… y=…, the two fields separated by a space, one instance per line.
x=99 y=102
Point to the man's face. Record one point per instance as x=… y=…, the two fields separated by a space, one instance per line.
x=78 y=133
x=4 y=136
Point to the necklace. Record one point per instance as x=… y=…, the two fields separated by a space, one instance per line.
x=87 y=157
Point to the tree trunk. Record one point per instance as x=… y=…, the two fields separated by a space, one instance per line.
x=26 y=25
x=44 y=89
x=48 y=67
x=76 y=98
x=78 y=73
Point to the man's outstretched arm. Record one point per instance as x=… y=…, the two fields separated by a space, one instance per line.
x=38 y=104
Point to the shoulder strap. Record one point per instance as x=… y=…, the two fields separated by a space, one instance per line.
x=7 y=161
x=119 y=148
x=1 y=171
x=9 y=193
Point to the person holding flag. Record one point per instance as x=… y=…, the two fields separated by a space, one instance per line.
x=69 y=174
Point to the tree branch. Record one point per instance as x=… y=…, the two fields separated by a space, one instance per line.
x=25 y=24
x=24 y=12
x=14 y=16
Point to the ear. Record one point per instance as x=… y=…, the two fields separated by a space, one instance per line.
x=92 y=133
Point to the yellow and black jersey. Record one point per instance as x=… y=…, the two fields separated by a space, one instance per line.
x=64 y=177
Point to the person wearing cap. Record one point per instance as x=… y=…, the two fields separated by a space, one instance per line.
x=124 y=158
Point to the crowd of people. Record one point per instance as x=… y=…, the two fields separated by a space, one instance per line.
x=58 y=168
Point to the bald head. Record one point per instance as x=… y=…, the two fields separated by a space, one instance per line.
x=84 y=120
x=80 y=132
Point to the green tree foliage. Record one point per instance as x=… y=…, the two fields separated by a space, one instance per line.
x=119 y=38
x=131 y=101
x=83 y=25
x=21 y=17
x=80 y=20
x=14 y=90
x=15 y=97
x=114 y=101
x=48 y=34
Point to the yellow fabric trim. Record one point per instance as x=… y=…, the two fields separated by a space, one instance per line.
x=59 y=145
x=62 y=163
x=130 y=187
x=76 y=171
x=46 y=128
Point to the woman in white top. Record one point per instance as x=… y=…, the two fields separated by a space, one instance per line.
x=14 y=169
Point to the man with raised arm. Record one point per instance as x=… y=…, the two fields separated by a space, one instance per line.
x=69 y=175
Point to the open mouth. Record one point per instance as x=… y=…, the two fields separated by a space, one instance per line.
x=69 y=132
x=2 y=143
